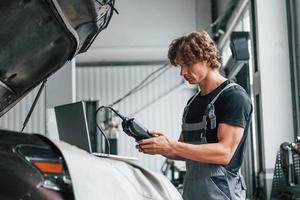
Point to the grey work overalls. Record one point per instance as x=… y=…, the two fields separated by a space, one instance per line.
x=208 y=181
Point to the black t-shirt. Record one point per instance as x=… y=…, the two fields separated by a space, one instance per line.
x=232 y=107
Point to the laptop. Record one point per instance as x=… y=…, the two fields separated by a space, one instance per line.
x=73 y=128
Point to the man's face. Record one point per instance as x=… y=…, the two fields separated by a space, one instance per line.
x=194 y=73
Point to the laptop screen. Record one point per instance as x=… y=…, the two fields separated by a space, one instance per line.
x=72 y=125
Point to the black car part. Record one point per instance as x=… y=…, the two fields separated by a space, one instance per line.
x=32 y=168
x=39 y=36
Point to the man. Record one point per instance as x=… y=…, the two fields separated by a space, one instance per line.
x=214 y=125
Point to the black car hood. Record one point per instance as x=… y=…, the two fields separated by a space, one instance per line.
x=37 y=38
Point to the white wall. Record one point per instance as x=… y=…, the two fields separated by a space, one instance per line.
x=274 y=63
x=142 y=31
x=147 y=23
x=203 y=14
x=60 y=89
x=61 y=86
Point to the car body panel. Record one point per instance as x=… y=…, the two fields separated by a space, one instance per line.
x=20 y=179
x=39 y=36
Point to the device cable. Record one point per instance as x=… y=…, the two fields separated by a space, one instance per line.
x=106 y=139
x=102 y=132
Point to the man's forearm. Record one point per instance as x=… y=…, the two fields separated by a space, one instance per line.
x=174 y=157
x=229 y=137
x=214 y=153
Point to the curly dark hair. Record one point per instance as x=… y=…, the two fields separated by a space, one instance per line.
x=192 y=48
x=173 y=49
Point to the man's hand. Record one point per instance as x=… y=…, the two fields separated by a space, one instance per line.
x=160 y=144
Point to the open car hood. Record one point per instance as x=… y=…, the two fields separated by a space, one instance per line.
x=37 y=38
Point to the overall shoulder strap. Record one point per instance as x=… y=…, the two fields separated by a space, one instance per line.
x=225 y=88
x=210 y=110
x=193 y=97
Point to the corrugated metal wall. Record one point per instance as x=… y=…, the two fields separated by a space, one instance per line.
x=13 y=119
x=157 y=106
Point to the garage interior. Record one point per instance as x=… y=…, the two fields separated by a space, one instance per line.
x=127 y=67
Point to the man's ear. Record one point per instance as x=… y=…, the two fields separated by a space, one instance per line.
x=208 y=62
